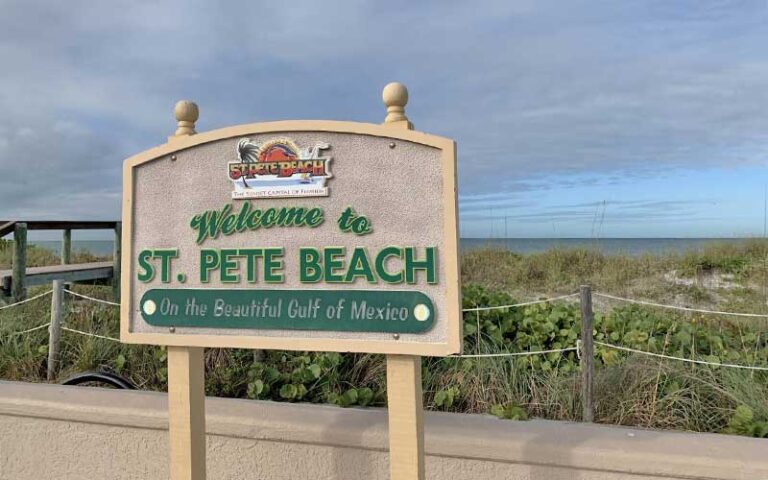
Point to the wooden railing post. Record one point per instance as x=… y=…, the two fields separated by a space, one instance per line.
x=18 y=287
x=54 y=330
x=116 y=253
x=587 y=355
x=66 y=247
x=66 y=250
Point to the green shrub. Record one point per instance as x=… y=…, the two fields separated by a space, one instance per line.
x=510 y=411
x=743 y=423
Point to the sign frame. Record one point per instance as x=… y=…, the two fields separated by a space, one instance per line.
x=450 y=311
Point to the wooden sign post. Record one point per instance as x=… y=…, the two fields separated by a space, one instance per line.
x=186 y=374
x=295 y=235
x=405 y=402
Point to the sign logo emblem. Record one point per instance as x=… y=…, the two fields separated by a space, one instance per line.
x=278 y=168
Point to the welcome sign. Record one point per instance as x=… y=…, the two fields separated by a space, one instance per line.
x=302 y=235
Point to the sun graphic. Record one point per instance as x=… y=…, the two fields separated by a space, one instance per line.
x=277 y=150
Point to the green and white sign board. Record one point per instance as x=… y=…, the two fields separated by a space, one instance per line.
x=301 y=235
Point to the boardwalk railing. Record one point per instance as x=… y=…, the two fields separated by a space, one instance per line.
x=16 y=283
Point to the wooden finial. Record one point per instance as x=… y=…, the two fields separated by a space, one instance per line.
x=395 y=97
x=186 y=113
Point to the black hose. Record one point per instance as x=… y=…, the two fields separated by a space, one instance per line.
x=108 y=378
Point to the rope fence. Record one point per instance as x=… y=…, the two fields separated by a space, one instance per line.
x=517 y=354
x=679 y=359
x=524 y=304
x=55 y=326
x=92 y=299
x=474 y=309
x=33 y=329
x=584 y=347
x=601 y=295
x=22 y=302
x=676 y=307
x=88 y=334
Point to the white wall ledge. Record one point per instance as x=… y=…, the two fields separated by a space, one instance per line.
x=613 y=451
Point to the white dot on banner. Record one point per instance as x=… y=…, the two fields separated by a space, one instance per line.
x=421 y=312
x=149 y=307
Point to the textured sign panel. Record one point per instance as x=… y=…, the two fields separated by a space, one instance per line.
x=353 y=224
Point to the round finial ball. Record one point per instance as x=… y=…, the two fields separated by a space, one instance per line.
x=186 y=111
x=395 y=95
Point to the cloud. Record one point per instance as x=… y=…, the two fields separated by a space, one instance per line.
x=593 y=90
x=615 y=212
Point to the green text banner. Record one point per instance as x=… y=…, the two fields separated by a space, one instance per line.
x=325 y=310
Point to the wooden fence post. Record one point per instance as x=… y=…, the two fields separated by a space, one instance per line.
x=66 y=251
x=116 y=254
x=54 y=330
x=66 y=247
x=18 y=287
x=587 y=355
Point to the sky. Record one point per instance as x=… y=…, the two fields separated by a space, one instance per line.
x=572 y=118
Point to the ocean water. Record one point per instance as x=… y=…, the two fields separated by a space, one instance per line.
x=630 y=246
x=96 y=247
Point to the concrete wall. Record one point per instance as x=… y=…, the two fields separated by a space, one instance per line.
x=58 y=432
